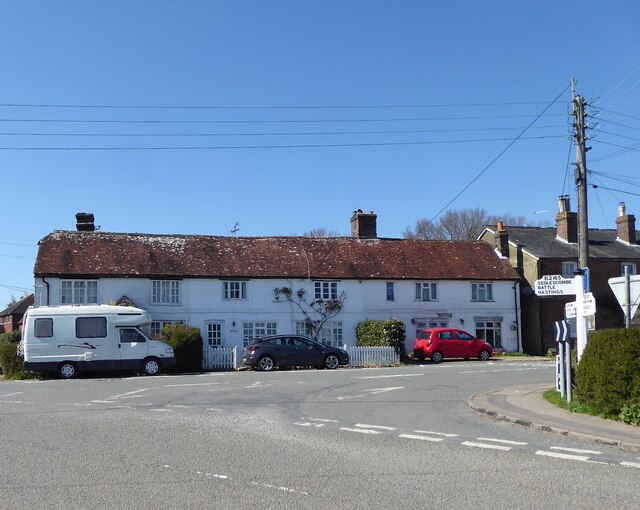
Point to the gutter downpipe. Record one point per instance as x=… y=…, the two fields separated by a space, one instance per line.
x=47 y=284
x=516 y=300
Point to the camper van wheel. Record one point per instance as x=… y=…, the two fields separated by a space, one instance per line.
x=67 y=370
x=150 y=366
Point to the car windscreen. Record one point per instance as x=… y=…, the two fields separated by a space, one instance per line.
x=424 y=335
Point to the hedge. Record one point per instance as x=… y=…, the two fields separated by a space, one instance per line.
x=389 y=333
x=187 y=346
x=10 y=363
x=608 y=375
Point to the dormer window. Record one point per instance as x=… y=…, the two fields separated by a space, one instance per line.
x=628 y=267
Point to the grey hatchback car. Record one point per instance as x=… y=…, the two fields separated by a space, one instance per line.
x=271 y=352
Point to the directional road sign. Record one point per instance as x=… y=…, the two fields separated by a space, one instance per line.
x=554 y=285
x=618 y=287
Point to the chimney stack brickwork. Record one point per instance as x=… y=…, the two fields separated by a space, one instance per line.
x=502 y=240
x=363 y=225
x=626 y=225
x=566 y=221
x=85 y=222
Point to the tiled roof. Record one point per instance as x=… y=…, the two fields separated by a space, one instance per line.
x=542 y=242
x=19 y=306
x=102 y=254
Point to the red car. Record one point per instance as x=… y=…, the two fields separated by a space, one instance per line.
x=440 y=343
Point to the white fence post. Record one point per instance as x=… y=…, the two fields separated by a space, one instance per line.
x=372 y=356
x=220 y=358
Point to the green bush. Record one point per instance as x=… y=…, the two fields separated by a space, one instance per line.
x=13 y=337
x=608 y=375
x=187 y=346
x=389 y=333
x=10 y=362
x=630 y=414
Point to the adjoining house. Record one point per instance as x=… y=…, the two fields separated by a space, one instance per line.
x=538 y=251
x=11 y=317
x=225 y=285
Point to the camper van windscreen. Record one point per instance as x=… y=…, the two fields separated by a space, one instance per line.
x=91 y=327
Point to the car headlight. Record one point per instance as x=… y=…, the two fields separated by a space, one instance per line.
x=168 y=352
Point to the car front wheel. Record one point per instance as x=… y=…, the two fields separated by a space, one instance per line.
x=150 y=366
x=331 y=361
x=484 y=355
x=436 y=357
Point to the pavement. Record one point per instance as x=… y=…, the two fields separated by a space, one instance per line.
x=524 y=405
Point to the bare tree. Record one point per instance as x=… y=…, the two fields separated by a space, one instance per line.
x=460 y=225
x=316 y=312
x=320 y=232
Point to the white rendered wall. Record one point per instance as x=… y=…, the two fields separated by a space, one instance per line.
x=201 y=302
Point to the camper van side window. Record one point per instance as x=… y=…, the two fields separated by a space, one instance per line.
x=91 y=327
x=43 y=328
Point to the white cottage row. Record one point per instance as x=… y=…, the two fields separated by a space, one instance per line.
x=225 y=285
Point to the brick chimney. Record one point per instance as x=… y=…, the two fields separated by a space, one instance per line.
x=85 y=222
x=626 y=225
x=566 y=221
x=502 y=240
x=363 y=225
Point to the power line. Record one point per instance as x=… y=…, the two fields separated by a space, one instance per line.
x=499 y=155
x=268 y=121
x=295 y=133
x=264 y=107
x=618 y=113
x=626 y=148
x=595 y=186
x=302 y=146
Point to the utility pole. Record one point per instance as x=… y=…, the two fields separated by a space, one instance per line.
x=583 y=224
x=581 y=176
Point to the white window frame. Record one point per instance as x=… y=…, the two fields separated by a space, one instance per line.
x=489 y=324
x=569 y=267
x=78 y=292
x=214 y=333
x=234 y=290
x=482 y=291
x=630 y=265
x=426 y=291
x=331 y=334
x=325 y=290
x=302 y=328
x=391 y=291
x=165 y=292
x=256 y=329
x=156 y=327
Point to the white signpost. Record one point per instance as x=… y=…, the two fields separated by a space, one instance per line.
x=582 y=307
x=627 y=293
x=555 y=285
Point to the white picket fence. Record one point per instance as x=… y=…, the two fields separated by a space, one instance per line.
x=371 y=356
x=220 y=358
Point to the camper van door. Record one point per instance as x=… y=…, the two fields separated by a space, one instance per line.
x=133 y=344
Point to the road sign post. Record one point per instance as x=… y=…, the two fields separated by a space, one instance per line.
x=560 y=365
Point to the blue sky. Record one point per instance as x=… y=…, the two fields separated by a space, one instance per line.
x=387 y=106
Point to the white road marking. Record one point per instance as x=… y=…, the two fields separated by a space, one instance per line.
x=381 y=427
x=375 y=391
x=361 y=431
x=214 y=475
x=12 y=394
x=284 y=489
x=631 y=464
x=309 y=424
x=485 y=445
x=15 y=402
x=502 y=370
x=503 y=441
x=127 y=394
x=436 y=433
x=322 y=420
x=576 y=450
x=387 y=376
x=563 y=456
x=102 y=401
x=161 y=410
x=190 y=384
x=421 y=438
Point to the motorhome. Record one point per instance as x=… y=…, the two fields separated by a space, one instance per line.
x=72 y=338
